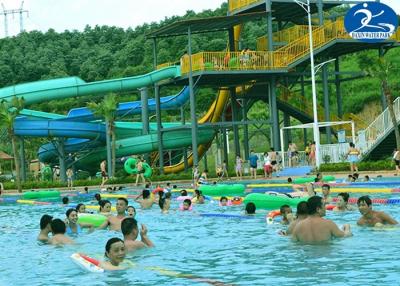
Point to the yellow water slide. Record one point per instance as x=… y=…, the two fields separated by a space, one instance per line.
x=213 y=115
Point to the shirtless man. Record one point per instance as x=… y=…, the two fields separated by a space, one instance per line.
x=370 y=217
x=292 y=154
x=130 y=231
x=301 y=214
x=272 y=157
x=146 y=202
x=45 y=228
x=326 y=194
x=58 y=229
x=114 y=222
x=316 y=229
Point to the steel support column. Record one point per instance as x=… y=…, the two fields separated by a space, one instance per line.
x=193 y=117
x=327 y=114
x=61 y=159
x=144 y=96
x=22 y=158
x=338 y=91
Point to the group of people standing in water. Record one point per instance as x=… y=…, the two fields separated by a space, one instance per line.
x=309 y=226
x=64 y=231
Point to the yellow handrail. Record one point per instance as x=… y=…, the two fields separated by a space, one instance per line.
x=286 y=36
x=238 y=4
x=164 y=65
x=264 y=60
x=218 y=61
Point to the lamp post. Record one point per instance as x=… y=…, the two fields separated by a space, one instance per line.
x=306 y=7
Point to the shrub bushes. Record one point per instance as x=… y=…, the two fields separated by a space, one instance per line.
x=362 y=166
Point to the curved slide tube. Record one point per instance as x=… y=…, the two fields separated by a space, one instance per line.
x=134 y=107
x=62 y=88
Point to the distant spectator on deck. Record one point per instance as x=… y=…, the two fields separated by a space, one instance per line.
x=253 y=159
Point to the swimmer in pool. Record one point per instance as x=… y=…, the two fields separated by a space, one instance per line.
x=58 y=229
x=326 y=194
x=81 y=208
x=45 y=228
x=145 y=200
x=223 y=201
x=105 y=207
x=315 y=228
x=186 y=205
x=73 y=227
x=342 y=204
x=250 y=209
x=286 y=213
x=130 y=231
x=131 y=211
x=115 y=254
x=114 y=222
x=165 y=202
x=198 y=197
x=65 y=201
x=371 y=217
x=301 y=213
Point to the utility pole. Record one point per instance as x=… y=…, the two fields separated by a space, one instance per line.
x=19 y=11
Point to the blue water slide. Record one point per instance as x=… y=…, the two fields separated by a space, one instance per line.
x=54 y=128
x=134 y=107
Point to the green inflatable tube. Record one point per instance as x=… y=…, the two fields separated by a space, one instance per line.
x=95 y=219
x=222 y=190
x=312 y=179
x=269 y=202
x=130 y=168
x=40 y=195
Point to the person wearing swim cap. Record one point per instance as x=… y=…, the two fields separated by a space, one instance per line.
x=130 y=230
x=315 y=228
x=371 y=217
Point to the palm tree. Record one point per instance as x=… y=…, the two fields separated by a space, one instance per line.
x=107 y=109
x=8 y=113
x=382 y=70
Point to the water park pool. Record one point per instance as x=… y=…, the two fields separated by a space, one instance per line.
x=196 y=250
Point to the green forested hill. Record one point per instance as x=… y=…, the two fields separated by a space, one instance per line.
x=99 y=53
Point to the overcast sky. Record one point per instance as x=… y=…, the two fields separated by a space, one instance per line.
x=76 y=14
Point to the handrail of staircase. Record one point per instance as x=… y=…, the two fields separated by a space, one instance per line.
x=378 y=128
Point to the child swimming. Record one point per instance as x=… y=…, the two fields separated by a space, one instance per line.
x=131 y=211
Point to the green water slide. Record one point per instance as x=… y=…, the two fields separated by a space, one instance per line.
x=173 y=139
x=46 y=90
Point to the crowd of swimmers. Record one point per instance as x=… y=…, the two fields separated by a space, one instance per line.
x=308 y=225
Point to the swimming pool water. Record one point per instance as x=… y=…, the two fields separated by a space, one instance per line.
x=234 y=251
